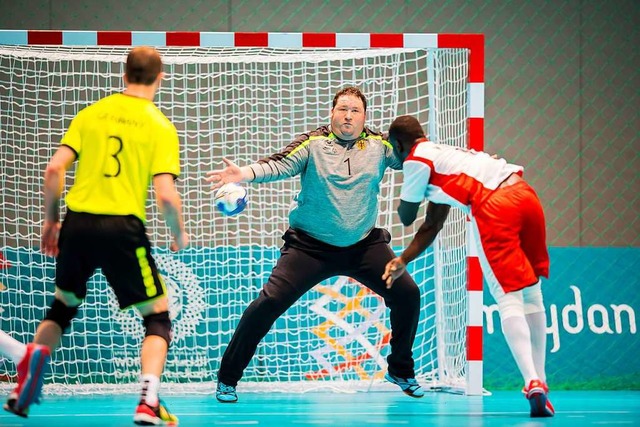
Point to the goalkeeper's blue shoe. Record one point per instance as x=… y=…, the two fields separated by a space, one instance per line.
x=408 y=385
x=226 y=393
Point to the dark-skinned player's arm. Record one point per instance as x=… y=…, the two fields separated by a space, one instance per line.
x=426 y=234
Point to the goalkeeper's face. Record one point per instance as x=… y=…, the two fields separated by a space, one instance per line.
x=347 y=117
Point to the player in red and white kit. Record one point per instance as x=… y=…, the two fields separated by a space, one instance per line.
x=508 y=221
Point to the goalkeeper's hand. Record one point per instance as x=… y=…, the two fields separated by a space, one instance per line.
x=231 y=173
x=393 y=270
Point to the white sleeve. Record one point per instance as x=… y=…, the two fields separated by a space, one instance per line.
x=416 y=178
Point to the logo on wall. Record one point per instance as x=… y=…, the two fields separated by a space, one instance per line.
x=354 y=332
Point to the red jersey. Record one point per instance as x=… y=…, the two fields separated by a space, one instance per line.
x=453 y=176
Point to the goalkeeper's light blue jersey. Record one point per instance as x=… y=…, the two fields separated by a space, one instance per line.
x=340 y=182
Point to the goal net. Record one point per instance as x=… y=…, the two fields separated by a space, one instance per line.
x=244 y=104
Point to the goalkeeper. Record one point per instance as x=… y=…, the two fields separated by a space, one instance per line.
x=332 y=232
x=509 y=223
x=122 y=144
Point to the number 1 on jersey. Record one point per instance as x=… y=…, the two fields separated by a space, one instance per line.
x=348 y=162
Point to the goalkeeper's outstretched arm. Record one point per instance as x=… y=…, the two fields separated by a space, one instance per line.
x=287 y=163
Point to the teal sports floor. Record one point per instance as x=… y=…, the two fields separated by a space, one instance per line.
x=502 y=408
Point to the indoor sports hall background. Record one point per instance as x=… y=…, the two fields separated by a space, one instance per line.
x=562 y=98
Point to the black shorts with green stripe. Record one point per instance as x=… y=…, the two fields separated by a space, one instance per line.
x=114 y=243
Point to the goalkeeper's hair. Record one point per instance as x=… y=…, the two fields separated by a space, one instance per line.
x=351 y=90
x=143 y=65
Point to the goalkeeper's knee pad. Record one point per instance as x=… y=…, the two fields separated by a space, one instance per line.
x=158 y=324
x=61 y=314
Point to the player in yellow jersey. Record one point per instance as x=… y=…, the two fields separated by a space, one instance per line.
x=122 y=144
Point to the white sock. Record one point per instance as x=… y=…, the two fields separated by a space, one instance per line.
x=12 y=348
x=150 y=385
x=518 y=337
x=537 y=326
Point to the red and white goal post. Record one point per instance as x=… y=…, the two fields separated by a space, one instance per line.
x=244 y=96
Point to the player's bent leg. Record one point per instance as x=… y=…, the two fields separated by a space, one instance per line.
x=61 y=313
x=158 y=324
x=516 y=332
x=518 y=336
x=254 y=324
x=404 y=314
x=535 y=315
x=151 y=410
x=35 y=364
x=403 y=301
x=297 y=270
x=295 y=273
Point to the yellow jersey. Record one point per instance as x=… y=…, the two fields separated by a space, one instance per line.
x=121 y=142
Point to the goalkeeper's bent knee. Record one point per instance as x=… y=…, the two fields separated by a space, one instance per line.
x=158 y=324
x=61 y=314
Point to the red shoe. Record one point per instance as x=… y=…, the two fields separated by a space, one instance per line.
x=537 y=395
x=154 y=416
x=31 y=371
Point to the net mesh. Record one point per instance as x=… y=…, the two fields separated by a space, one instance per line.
x=242 y=104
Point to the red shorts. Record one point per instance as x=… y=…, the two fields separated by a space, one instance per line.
x=512 y=236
